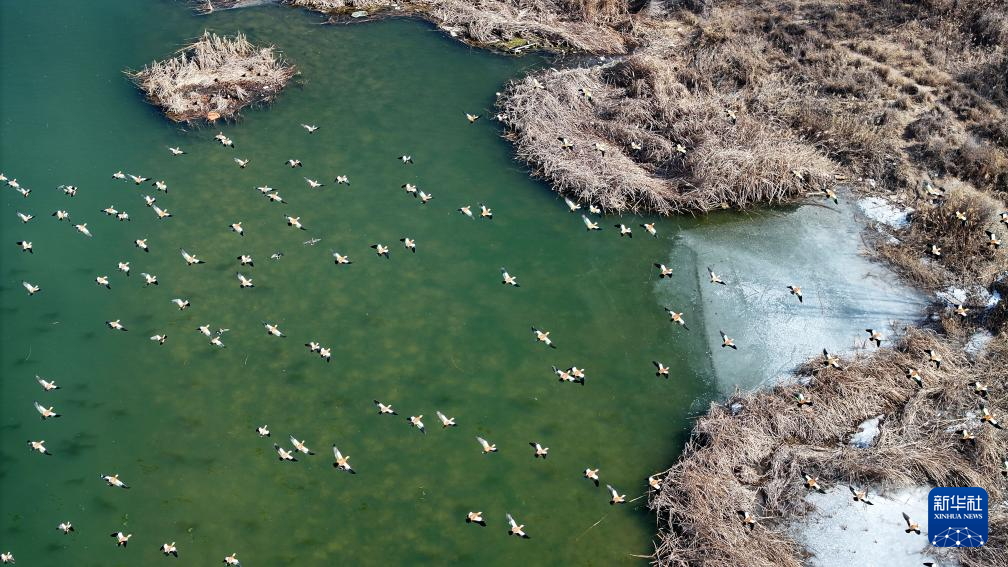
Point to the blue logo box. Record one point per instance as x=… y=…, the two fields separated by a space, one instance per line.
x=957 y=517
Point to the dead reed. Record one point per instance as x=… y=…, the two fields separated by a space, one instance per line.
x=720 y=105
x=591 y=26
x=749 y=453
x=213 y=78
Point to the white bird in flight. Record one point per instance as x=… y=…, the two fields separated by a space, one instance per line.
x=189 y=258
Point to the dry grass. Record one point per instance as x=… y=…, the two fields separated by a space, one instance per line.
x=214 y=74
x=667 y=148
x=967 y=257
x=590 y=26
x=754 y=460
x=818 y=86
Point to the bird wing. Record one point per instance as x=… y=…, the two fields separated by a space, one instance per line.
x=39 y=407
x=483 y=442
x=336 y=453
x=511 y=520
x=906 y=518
x=441 y=416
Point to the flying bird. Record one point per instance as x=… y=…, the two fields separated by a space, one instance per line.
x=487 y=446
x=912 y=526
x=860 y=495
x=342 y=462
x=516 y=529
x=662 y=369
x=616 y=497
x=190 y=259
x=415 y=422
x=874 y=336
x=727 y=341
x=39 y=446
x=284 y=454
x=113 y=481
x=796 y=291
x=121 y=538
x=508 y=279
x=543 y=337
x=446 y=421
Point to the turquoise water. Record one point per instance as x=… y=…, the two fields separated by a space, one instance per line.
x=424 y=332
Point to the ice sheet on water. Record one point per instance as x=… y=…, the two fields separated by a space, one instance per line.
x=813 y=246
x=841 y=531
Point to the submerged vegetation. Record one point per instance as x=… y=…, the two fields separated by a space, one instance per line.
x=214 y=77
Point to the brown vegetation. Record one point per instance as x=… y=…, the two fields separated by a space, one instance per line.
x=212 y=78
x=967 y=257
x=754 y=90
x=750 y=452
x=591 y=26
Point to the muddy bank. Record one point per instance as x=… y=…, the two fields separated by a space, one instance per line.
x=213 y=78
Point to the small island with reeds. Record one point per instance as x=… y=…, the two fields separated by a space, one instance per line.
x=213 y=78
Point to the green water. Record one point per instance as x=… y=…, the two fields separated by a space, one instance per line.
x=425 y=332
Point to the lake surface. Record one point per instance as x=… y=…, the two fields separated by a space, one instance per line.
x=424 y=332
x=435 y=330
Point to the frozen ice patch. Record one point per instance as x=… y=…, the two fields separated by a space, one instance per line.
x=881 y=210
x=842 y=531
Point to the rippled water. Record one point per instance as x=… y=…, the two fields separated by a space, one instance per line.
x=424 y=332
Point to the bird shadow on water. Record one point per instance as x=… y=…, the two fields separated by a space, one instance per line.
x=76 y=446
x=104 y=505
x=183 y=459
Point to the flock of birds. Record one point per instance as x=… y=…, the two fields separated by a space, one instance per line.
x=341 y=461
x=299 y=448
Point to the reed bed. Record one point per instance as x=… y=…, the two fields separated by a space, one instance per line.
x=644 y=141
x=213 y=78
x=750 y=452
x=967 y=257
x=589 y=26
x=744 y=103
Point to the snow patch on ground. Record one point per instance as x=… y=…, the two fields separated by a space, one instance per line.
x=977 y=343
x=959 y=296
x=866 y=433
x=881 y=210
x=841 y=531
